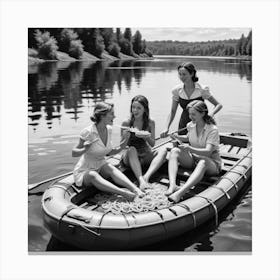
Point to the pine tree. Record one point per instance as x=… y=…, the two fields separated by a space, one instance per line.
x=108 y=36
x=249 y=44
x=118 y=35
x=137 y=42
x=240 y=45
x=127 y=34
x=92 y=40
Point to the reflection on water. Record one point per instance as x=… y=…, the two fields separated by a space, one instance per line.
x=59 y=84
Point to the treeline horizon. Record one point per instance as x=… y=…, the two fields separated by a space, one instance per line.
x=97 y=41
x=76 y=41
x=229 y=47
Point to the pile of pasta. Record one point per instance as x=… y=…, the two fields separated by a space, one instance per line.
x=154 y=199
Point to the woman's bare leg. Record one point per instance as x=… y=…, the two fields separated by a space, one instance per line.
x=93 y=178
x=135 y=165
x=120 y=179
x=204 y=165
x=177 y=155
x=156 y=163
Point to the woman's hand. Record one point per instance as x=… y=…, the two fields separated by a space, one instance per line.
x=164 y=133
x=88 y=143
x=143 y=134
x=125 y=138
x=185 y=147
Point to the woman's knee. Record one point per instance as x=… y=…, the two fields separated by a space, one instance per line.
x=202 y=163
x=93 y=175
x=132 y=152
x=162 y=152
x=175 y=152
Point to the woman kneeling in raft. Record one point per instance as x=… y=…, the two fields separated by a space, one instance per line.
x=140 y=138
x=94 y=144
x=201 y=154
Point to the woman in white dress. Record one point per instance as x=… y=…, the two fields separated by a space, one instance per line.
x=92 y=169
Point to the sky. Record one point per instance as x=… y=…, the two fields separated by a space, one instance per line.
x=190 y=34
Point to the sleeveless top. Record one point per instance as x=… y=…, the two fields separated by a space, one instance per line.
x=140 y=144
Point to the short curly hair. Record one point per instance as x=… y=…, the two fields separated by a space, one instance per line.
x=100 y=109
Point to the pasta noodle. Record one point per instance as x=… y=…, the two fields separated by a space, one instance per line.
x=154 y=199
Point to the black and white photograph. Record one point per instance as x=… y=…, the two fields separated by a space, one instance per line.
x=139 y=139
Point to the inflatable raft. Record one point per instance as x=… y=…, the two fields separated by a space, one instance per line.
x=76 y=217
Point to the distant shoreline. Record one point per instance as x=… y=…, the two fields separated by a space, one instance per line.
x=33 y=58
x=64 y=57
x=245 y=57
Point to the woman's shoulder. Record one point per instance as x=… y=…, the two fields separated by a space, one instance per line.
x=212 y=127
x=152 y=123
x=109 y=127
x=204 y=90
x=88 y=128
x=126 y=122
x=178 y=87
x=190 y=125
x=87 y=131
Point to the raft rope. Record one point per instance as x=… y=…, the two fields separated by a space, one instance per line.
x=243 y=174
x=89 y=230
x=154 y=199
x=213 y=205
x=222 y=190
x=65 y=212
x=189 y=210
x=62 y=186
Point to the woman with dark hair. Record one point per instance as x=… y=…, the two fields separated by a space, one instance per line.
x=140 y=138
x=94 y=144
x=185 y=93
x=201 y=154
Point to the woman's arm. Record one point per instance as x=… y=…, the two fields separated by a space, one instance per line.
x=151 y=139
x=115 y=151
x=218 y=106
x=170 y=118
x=182 y=138
x=125 y=134
x=207 y=151
x=80 y=148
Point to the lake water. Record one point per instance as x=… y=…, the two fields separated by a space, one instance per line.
x=61 y=96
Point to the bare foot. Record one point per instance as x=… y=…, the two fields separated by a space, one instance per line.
x=143 y=184
x=171 y=190
x=129 y=195
x=139 y=193
x=146 y=179
x=175 y=197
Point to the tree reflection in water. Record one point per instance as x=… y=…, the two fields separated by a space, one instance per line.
x=71 y=85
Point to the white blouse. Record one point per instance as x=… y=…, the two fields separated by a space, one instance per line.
x=209 y=135
x=199 y=91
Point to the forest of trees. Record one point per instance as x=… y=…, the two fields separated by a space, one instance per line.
x=231 y=47
x=96 y=41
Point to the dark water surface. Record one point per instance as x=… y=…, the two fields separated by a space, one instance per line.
x=61 y=97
